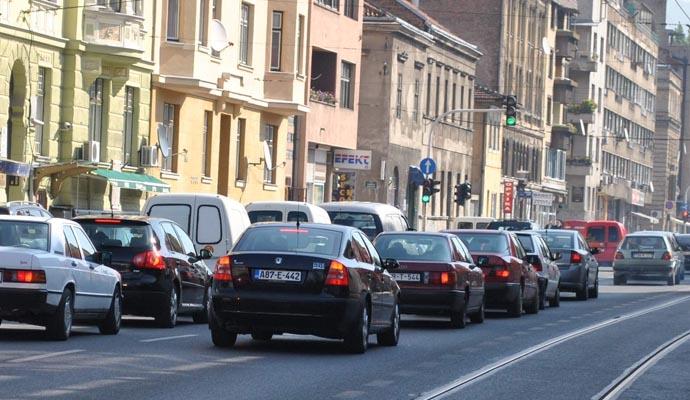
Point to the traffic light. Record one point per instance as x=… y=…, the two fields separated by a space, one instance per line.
x=463 y=192
x=511 y=110
x=459 y=199
x=429 y=188
x=685 y=215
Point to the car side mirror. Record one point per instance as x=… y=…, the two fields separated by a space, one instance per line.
x=205 y=254
x=106 y=258
x=390 y=263
x=556 y=256
x=595 y=251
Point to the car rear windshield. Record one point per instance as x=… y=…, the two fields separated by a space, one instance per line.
x=684 y=242
x=363 y=221
x=30 y=235
x=413 y=247
x=317 y=241
x=643 y=243
x=485 y=242
x=596 y=234
x=118 y=235
x=526 y=241
x=510 y=225
x=265 y=216
x=559 y=240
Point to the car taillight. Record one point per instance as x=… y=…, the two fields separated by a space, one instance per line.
x=442 y=278
x=149 y=260
x=575 y=257
x=619 y=255
x=666 y=256
x=24 y=276
x=337 y=275
x=503 y=273
x=223 y=272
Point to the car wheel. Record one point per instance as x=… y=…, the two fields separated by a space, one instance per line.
x=201 y=316
x=478 y=317
x=618 y=280
x=515 y=308
x=112 y=322
x=390 y=336
x=555 y=301
x=594 y=292
x=357 y=340
x=533 y=307
x=60 y=325
x=168 y=317
x=262 y=336
x=458 y=318
x=222 y=338
x=583 y=293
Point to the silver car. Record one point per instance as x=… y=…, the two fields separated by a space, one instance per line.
x=648 y=255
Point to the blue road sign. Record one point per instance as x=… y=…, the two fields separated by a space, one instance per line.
x=428 y=166
x=415 y=175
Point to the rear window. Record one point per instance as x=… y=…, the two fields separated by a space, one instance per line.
x=613 y=234
x=485 y=242
x=510 y=225
x=526 y=242
x=30 y=235
x=559 y=241
x=179 y=213
x=596 y=234
x=465 y=225
x=482 y=225
x=294 y=216
x=413 y=247
x=265 y=216
x=684 y=242
x=365 y=222
x=122 y=235
x=643 y=243
x=292 y=240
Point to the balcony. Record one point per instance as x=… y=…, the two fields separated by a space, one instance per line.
x=583 y=111
x=579 y=166
x=105 y=27
x=566 y=43
x=585 y=63
x=563 y=87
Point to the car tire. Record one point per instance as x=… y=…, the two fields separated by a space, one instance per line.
x=168 y=317
x=594 y=292
x=583 y=293
x=357 y=340
x=113 y=320
x=533 y=306
x=201 y=316
x=515 y=308
x=555 y=301
x=262 y=336
x=390 y=336
x=458 y=318
x=619 y=280
x=478 y=316
x=222 y=338
x=59 y=326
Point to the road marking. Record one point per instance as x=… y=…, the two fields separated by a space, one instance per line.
x=44 y=356
x=378 y=383
x=474 y=376
x=349 y=394
x=160 y=339
x=627 y=378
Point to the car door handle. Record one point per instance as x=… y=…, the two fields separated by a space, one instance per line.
x=92 y=267
x=74 y=263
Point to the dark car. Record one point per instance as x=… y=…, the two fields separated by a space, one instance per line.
x=162 y=276
x=513 y=225
x=511 y=282
x=579 y=269
x=437 y=275
x=27 y=208
x=312 y=279
x=684 y=242
x=543 y=261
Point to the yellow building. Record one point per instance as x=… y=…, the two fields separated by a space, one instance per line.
x=228 y=75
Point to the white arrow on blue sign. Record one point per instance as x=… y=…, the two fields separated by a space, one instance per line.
x=428 y=166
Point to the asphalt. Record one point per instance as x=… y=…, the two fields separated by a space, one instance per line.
x=181 y=363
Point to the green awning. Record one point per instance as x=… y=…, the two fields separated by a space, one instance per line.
x=129 y=180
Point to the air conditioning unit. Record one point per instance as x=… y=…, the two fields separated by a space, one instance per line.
x=92 y=151
x=148 y=156
x=655 y=214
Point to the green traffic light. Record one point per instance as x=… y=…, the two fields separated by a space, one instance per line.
x=426 y=198
x=511 y=121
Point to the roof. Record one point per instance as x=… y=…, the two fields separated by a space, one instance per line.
x=416 y=233
x=25 y=218
x=568 y=231
x=139 y=218
x=306 y=225
x=359 y=206
x=482 y=231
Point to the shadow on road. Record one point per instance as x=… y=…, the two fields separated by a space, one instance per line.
x=143 y=323
x=306 y=345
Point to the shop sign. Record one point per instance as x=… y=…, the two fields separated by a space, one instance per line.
x=542 y=199
x=637 y=197
x=508 y=193
x=352 y=159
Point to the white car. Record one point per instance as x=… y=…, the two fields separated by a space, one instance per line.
x=52 y=275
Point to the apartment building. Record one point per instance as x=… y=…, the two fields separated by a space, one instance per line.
x=74 y=102
x=229 y=78
x=334 y=45
x=414 y=70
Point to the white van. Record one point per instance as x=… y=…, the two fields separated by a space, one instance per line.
x=474 y=222
x=286 y=211
x=213 y=222
x=370 y=218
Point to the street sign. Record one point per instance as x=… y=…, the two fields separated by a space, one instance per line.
x=508 y=197
x=669 y=205
x=416 y=177
x=370 y=184
x=428 y=166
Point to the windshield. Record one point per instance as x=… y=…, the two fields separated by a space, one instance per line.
x=485 y=242
x=109 y=236
x=526 y=241
x=30 y=235
x=559 y=240
x=365 y=222
x=684 y=242
x=294 y=240
x=413 y=247
x=643 y=243
x=510 y=225
x=595 y=234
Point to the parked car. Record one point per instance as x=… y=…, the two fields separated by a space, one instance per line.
x=473 y=222
x=52 y=275
x=24 y=208
x=162 y=274
x=647 y=255
x=318 y=279
x=286 y=211
x=513 y=225
x=510 y=281
x=213 y=222
x=684 y=242
x=437 y=275
x=543 y=261
x=370 y=218
x=576 y=261
x=605 y=236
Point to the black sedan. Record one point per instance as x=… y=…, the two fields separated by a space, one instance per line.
x=162 y=276
x=312 y=279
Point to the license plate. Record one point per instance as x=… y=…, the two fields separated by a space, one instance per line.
x=642 y=255
x=405 y=277
x=277 y=275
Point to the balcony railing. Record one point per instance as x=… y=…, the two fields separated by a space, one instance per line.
x=322 y=96
x=102 y=26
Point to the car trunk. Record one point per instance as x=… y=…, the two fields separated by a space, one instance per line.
x=422 y=274
x=644 y=260
x=493 y=266
x=279 y=272
x=15 y=258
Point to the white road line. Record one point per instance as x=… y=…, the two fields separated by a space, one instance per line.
x=44 y=356
x=491 y=369
x=160 y=339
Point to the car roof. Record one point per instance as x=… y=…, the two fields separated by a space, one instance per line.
x=649 y=233
x=28 y=218
x=483 y=231
x=417 y=233
x=305 y=225
x=138 y=218
x=562 y=231
x=360 y=206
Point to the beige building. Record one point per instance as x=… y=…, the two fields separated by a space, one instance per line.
x=222 y=101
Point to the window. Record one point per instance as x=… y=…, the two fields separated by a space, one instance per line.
x=351 y=9
x=294 y=216
x=96 y=110
x=113 y=5
x=40 y=111
x=269 y=136
x=169 y=111
x=128 y=125
x=30 y=235
x=171 y=240
x=300 y=46
x=428 y=95
x=84 y=243
x=185 y=241
x=203 y=22
x=139 y=7
x=265 y=216
x=240 y=169
x=438 y=96
x=178 y=213
x=415 y=110
x=72 y=245
x=173 y=20
x=212 y=231
x=398 y=98
x=347 y=75
x=276 y=40
x=206 y=137
x=245 y=34
x=335 y=4
x=445 y=97
x=453 y=97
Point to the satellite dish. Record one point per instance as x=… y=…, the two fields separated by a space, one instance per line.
x=545 y=45
x=163 y=142
x=268 y=157
x=218 y=39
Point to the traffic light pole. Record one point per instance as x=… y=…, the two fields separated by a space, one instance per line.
x=435 y=122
